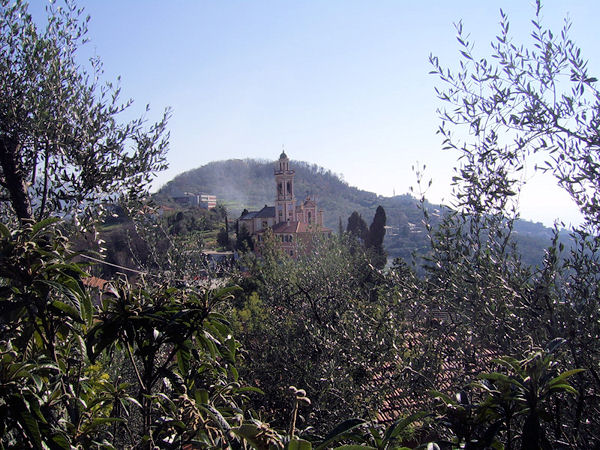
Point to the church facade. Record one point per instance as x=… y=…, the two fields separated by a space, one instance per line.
x=292 y=224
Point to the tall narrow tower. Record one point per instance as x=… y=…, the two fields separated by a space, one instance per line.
x=285 y=202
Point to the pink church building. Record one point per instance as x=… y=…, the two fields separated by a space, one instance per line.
x=290 y=223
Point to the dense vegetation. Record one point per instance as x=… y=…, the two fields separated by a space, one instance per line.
x=479 y=350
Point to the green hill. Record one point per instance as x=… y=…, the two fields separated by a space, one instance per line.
x=249 y=183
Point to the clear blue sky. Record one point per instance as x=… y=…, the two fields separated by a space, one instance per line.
x=341 y=83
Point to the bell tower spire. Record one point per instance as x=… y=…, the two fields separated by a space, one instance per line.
x=285 y=200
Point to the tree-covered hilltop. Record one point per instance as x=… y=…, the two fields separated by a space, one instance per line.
x=248 y=183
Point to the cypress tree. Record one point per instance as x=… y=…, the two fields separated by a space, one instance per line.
x=375 y=237
x=377 y=229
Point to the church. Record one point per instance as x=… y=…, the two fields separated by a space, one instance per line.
x=290 y=223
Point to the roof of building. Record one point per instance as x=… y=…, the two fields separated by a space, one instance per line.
x=94 y=282
x=283 y=155
x=249 y=215
x=267 y=211
x=286 y=227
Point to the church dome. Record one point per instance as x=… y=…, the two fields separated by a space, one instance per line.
x=283 y=155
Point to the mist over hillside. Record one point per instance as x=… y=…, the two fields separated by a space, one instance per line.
x=249 y=183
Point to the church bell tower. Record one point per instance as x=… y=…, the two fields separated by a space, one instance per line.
x=285 y=202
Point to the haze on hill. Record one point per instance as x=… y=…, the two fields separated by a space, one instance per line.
x=249 y=183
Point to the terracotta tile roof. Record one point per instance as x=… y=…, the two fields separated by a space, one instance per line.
x=94 y=282
x=446 y=379
x=286 y=227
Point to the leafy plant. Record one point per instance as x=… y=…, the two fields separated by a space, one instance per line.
x=514 y=403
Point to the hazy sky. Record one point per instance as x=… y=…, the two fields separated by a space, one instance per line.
x=340 y=83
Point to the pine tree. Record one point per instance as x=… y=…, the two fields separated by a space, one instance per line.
x=244 y=240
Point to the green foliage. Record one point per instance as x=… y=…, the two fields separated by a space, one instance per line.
x=183 y=358
x=128 y=366
x=514 y=403
x=157 y=365
x=524 y=100
x=521 y=101
x=47 y=398
x=223 y=238
x=373 y=435
x=357 y=227
x=326 y=321
x=244 y=241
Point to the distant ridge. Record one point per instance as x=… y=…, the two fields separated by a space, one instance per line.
x=249 y=183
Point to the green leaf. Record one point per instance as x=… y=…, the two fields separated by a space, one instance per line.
x=134 y=401
x=183 y=361
x=251 y=389
x=27 y=421
x=234 y=373
x=299 y=444
x=563 y=388
x=201 y=396
x=495 y=376
x=61 y=441
x=252 y=434
x=105 y=420
x=443 y=397
x=39 y=226
x=563 y=376
x=87 y=309
x=69 y=310
x=339 y=431
x=4 y=230
x=401 y=424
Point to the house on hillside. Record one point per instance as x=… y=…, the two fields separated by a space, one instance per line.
x=204 y=201
x=291 y=224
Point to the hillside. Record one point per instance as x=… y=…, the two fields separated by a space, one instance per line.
x=249 y=184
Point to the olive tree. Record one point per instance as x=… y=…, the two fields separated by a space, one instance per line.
x=327 y=322
x=521 y=101
x=524 y=100
x=62 y=147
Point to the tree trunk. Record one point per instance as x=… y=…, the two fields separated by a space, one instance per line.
x=14 y=180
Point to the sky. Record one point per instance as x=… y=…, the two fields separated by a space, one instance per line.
x=343 y=84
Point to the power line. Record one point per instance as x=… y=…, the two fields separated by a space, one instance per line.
x=99 y=261
x=91 y=258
